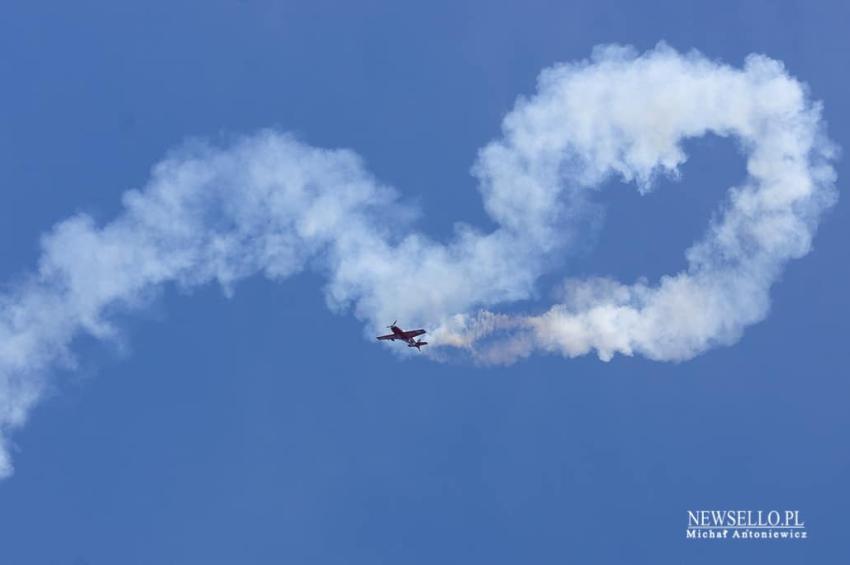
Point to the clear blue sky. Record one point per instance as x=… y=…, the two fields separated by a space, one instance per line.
x=263 y=429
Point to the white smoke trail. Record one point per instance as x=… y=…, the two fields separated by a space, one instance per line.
x=627 y=115
x=270 y=204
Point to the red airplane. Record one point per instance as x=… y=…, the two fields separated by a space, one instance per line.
x=406 y=336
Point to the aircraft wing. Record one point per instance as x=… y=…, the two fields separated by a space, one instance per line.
x=388 y=336
x=412 y=333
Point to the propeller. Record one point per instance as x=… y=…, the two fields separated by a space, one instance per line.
x=391 y=325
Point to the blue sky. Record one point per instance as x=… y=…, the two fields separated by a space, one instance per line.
x=263 y=428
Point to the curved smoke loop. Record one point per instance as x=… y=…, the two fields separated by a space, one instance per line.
x=271 y=204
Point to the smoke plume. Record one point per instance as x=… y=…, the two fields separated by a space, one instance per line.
x=270 y=204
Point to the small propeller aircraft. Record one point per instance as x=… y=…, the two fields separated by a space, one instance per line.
x=407 y=336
